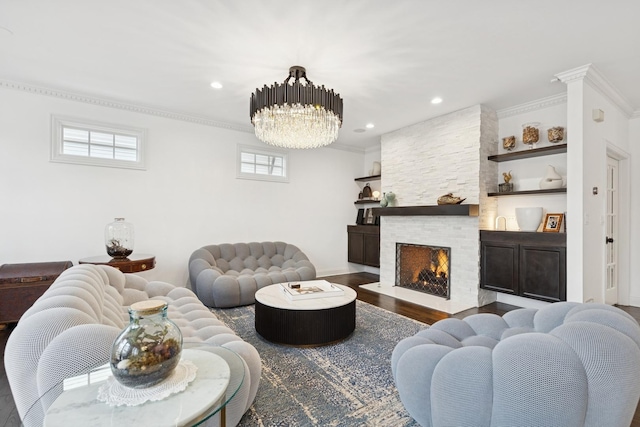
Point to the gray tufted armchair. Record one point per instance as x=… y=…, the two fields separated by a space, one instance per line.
x=565 y=365
x=228 y=275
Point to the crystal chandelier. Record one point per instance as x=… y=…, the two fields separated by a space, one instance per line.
x=296 y=114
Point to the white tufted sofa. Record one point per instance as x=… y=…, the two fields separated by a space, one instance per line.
x=228 y=275
x=72 y=326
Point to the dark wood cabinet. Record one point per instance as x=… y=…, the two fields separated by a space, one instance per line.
x=364 y=244
x=531 y=265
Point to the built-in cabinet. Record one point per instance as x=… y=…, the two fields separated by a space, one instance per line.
x=364 y=240
x=364 y=244
x=526 y=264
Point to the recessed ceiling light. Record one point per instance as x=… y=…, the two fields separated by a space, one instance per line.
x=359 y=130
x=370 y=126
x=436 y=100
x=216 y=85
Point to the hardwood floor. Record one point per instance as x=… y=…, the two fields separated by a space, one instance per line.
x=9 y=416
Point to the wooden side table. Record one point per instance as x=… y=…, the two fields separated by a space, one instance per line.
x=133 y=264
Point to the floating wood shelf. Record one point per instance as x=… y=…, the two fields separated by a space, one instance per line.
x=452 y=210
x=364 y=202
x=518 y=193
x=369 y=178
x=525 y=154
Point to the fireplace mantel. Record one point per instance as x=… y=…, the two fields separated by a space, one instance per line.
x=451 y=210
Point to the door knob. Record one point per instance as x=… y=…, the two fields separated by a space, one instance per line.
x=608 y=240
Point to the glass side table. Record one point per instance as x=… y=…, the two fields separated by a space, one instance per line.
x=74 y=401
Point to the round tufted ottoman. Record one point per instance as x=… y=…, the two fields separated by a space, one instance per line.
x=567 y=364
x=228 y=275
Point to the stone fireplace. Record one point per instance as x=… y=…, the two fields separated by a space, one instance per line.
x=447 y=154
x=423 y=268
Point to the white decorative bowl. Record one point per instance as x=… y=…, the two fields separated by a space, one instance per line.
x=529 y=219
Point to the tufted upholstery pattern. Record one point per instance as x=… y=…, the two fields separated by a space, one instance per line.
x=564 y=365
x=228 y=275
x=72 y=326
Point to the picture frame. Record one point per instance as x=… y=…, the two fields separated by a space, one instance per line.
x=553 y=222
x=370 y=218
x=360 y=217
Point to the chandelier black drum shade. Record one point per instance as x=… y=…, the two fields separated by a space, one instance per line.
x=296 y=114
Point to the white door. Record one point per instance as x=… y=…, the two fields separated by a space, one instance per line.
x=611 y=242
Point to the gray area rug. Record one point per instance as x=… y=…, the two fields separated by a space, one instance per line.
x=344 y=384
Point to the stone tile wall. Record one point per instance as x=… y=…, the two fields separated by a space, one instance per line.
x=447 y=154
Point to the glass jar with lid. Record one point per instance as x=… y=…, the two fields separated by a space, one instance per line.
x=149 y=348
x=118 y=237
x=531 y=134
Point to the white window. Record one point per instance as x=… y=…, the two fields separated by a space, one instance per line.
x=98 y=144
x=262 y=163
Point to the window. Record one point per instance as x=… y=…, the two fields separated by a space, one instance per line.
x=99 y=144
x=262 y=164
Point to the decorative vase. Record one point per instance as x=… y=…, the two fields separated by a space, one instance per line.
x=390 y=196
x=384 y=202
x=118 y=238
x=528 y=219
x=555 y=134
x=377 y=168
x=149 y=348
x=531 y=134
x=509 y=142
x=551 y=179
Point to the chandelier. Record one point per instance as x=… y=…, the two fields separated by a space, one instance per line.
x=296 y=114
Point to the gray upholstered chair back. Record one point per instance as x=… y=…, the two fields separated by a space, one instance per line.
x=565 y=365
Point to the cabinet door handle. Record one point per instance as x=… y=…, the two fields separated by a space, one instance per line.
x=608 y=240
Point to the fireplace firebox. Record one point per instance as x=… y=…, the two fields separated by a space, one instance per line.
x=423 y=268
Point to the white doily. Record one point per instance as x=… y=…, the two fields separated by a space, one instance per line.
x=115 y=394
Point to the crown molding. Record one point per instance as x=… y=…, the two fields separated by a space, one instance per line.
x=538 y=104
x=121 y=105
x=592 y=76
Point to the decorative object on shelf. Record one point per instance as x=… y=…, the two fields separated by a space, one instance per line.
x=553 y=222
x=149 y=348
x=366 y=191
x=497 y=223
x=296 y=114
x=450 y=199
x=551 y=179
x=507 y=186
x=384 y=202
x=555 y=134
x=376 y=195
x=529 y=218
x=531 y=134
x=369 y=218
x=360 y=217
x=118 y=238
x=360 y=196
x=377 y=168
x=390 y=197
x=509 y=142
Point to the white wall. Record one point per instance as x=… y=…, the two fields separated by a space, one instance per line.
x=634 y=235
x=188 y=196
x=613 y=130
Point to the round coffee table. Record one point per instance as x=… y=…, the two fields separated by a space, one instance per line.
x=311 y=322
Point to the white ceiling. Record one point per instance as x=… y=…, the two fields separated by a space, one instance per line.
x=387 y=59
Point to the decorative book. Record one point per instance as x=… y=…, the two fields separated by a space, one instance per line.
x=310 y=289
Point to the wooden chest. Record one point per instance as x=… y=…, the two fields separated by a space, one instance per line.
x=22 y=284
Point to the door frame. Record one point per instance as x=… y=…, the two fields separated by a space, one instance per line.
x=624 y=230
